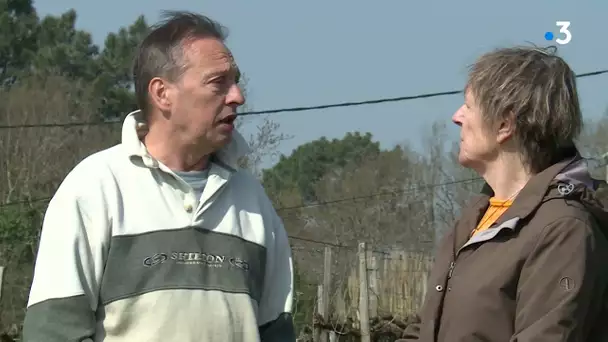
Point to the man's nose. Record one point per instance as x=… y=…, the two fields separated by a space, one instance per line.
x=235 y=95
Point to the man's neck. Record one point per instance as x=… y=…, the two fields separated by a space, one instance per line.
x=506 y=175
x=173 y=153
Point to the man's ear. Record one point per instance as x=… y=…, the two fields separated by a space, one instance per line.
x=159 y=91
x=506 y=128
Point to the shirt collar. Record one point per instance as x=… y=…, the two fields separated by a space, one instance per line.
x=137 y=152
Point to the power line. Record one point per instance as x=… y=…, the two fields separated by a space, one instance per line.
x=378 y=194
x=330 y=244
x=289 y=109
x=297 y=109
x=293 y=237
x=337 y=245
x=341 y=246
x=315 y=204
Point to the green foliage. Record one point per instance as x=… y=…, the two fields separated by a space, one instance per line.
x=18 y=38
x=18 y=234
x=18 y=241
x=115 y=62
x=32 y=46
x=303 y=300
x=62 y=48
x=311 y=161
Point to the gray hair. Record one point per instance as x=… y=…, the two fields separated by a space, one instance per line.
x=539 y=88
x=160 y=54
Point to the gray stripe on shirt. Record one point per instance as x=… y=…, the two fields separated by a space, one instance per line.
x=59 y=320
x=189 y=258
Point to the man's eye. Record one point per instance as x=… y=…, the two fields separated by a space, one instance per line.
x=219 y=80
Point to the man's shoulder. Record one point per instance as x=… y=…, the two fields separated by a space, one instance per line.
x=106 y=157
x=245 y=178
x=92 y=170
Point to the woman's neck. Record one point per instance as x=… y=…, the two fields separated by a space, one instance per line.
x=506 y=175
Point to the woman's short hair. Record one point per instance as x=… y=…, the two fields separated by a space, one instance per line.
x=539 y=89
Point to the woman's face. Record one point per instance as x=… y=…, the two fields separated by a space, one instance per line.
x=478 y=144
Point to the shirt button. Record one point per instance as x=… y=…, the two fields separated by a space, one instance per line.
x=438 y=288
x=188 y=208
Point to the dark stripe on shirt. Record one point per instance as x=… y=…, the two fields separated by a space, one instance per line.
x=190 y=258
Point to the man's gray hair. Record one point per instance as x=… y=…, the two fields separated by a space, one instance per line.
x=539 y=88
x=160 y=54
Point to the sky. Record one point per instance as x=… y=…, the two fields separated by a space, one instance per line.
x=320 y=52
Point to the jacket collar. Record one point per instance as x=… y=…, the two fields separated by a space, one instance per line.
x=568 y=177
x=558 y=180
x=134 y=124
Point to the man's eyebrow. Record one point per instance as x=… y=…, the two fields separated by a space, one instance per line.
x=216 y=72
x=237 y=76
x=223 y=72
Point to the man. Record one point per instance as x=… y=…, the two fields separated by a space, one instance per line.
x=526 y=260
x=163 y=237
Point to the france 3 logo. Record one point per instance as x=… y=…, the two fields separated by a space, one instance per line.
x=565 y=35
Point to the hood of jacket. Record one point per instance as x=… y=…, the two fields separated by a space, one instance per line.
x=569 y=180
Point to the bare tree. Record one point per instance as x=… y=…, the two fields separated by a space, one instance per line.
x=453 y=185
x=266 y=137
x=390 y=215
x=34 y=160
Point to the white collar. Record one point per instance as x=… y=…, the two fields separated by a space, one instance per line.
x=228 y=155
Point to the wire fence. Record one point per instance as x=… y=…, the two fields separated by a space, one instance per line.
x=384 y=288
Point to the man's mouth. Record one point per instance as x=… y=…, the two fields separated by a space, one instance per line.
x=228 y=120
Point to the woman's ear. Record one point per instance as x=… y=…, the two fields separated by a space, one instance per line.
x=506 y=128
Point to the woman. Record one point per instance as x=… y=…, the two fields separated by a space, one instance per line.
x=527 y=260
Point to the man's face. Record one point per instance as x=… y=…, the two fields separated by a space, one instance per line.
x=204 y=100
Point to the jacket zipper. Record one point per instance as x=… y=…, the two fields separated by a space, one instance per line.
x=451 y=270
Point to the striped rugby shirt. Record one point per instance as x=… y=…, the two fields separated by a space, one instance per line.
x=127 y=254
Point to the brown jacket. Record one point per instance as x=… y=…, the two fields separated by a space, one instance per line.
x=540 y=273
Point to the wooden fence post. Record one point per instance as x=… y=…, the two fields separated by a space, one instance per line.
x=326 y=289
x=373 y=285
x=318 y=330
x=323 y=306
x=363 y=294
x=425 y=280
x=1 y=280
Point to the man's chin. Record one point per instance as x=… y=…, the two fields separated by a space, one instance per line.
x=224 y=140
